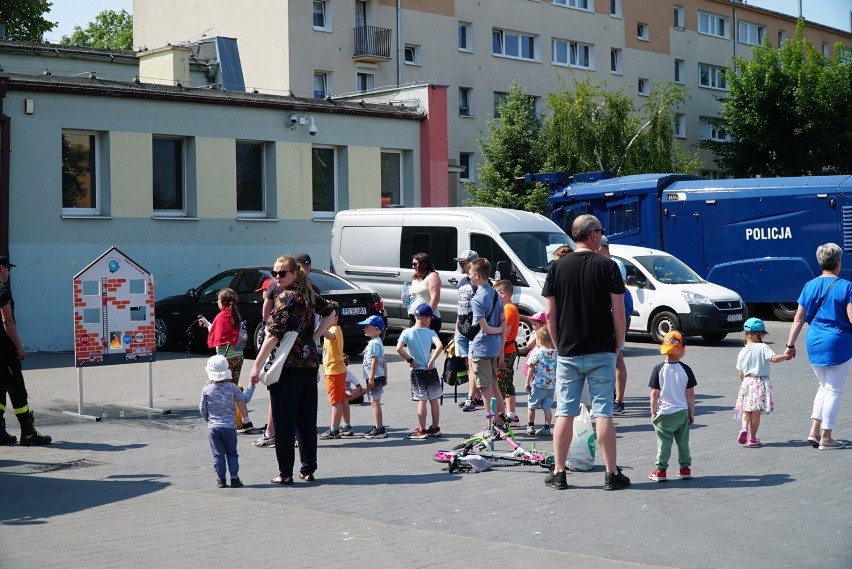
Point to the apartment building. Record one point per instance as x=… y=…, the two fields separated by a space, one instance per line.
x=477 y=48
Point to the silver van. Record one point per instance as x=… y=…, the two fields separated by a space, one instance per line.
x=374 y=247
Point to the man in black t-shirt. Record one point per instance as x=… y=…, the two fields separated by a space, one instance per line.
x=584 y=299
x=11 y=377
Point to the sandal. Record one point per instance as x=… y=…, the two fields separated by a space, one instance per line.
x=813 y=440
x=743 y=437
x=307 y=477
x=832 y=444
x=283 y=480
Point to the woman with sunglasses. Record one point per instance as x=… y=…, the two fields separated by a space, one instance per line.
x=425 y=288
x=293 y=398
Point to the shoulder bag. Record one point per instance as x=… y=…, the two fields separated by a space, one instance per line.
x=809 y=319
x=271 y=372
x=468 y=329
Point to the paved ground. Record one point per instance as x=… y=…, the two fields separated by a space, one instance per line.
x=138 y=490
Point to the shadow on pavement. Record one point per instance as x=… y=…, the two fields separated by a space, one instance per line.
x=723 y=481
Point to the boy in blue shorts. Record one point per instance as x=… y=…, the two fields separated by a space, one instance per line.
x=374 y=372
x=420 y=347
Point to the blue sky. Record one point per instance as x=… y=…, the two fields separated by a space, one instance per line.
x=70 y=13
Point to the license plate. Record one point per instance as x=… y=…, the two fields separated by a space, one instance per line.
x=735 y=317
x=357 y=311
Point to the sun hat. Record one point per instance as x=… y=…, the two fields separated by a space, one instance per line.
x=754 y=325
x=374 y=321
x=217 y=369
x=539 y=317
x=673 y=344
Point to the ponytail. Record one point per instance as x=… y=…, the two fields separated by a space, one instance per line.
x=229 y=299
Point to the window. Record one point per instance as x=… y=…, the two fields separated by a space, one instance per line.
x=465 y=37
x=711 y=76
x=679 y=18
x=826 y=48
x=499 y=99
x=709 y=128
x=514 y=44
x=679 y=75
x=321 y=89
x=782 y=37
x=168 y=170
x=363 y=81
x=578 y=4
x=623 y=217
x=322 y=15
x=680 y=125
x=250 y=181
x=324 y=174
x=573 y=54
x=615 y=61
x=391 y=164
x=466 y=162
x=642 y=87
x=465 y=104
x=751 y=34
x=438 y=242
x=615 y=8
x=642 y=32
x=712 y=25
x=79 y=173
x=412 y=54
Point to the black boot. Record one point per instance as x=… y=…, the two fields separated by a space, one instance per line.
x=6 y=438
x=29 y=435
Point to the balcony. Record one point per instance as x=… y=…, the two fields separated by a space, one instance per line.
x=372 y=44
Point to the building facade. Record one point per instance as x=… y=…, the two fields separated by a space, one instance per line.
x=337 y=47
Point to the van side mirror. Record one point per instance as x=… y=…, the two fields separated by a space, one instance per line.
x=504 y=270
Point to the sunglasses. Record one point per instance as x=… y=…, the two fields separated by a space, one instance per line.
x=281 y=274
x=602 y=231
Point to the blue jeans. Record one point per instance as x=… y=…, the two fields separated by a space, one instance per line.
x=571 y=372
x=223 y=443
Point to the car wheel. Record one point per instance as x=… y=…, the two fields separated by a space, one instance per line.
x=162 y=335
x=784 y=311
x=663 y=323
x=259 y=336
x=714 y=338
x=525 y=334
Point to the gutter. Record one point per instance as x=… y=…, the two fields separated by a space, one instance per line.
x=5 y=152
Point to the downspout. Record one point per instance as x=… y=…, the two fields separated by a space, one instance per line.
x=398 y=43
x=5 y=152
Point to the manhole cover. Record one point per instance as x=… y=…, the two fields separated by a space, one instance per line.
x=82 y=463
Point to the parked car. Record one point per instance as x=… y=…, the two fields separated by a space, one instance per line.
x=176 y=316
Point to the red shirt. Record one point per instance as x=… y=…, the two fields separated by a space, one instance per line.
x=222 y=331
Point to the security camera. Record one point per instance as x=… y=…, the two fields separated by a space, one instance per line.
x=312 y=128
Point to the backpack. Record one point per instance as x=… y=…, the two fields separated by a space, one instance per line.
x=242 y=338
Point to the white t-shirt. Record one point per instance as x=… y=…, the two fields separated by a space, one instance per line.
x=672 y=380
x=754 y=359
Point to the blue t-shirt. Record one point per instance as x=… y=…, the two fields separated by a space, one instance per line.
x=486 y=302
x=374 y=348
x=419 y=342
x=829 y=339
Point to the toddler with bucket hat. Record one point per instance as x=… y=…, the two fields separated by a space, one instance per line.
x=755 y=395
x=218 y=400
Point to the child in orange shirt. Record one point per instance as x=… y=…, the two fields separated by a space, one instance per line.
x=506 y=370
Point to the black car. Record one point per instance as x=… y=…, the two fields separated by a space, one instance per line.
x=176 y=316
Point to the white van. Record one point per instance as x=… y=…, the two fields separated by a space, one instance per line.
x=374 y=247
x=668 y=295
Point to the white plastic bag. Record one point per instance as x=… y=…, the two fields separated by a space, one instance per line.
x=581 y=453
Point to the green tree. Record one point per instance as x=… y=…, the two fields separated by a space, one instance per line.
x=786 y=113
x=109 y=30
x=24 y=19
x=511 y=149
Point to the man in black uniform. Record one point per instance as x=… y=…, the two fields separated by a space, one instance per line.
x=11 y=378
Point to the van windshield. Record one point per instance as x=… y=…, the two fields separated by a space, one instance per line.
x=669 y=270
x=535 y=250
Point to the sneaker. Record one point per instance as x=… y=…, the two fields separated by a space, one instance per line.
x=347 y=431
x=754 y=443
x=246 y=427
x=469 y=405
x=434 y=431
x=556 y=480
x=684 y=472
x=743 y=437
x=618 y=408
x=329 y=434
x=221 y=484
x=544 y=431
x=264 y=441
x=530 y=430
x=615 y=480
x=236 y=483
x=418 y=435
x=659 y=475
x=376 y=433
x=478 y=401
x=463 y=403
x=514 y=419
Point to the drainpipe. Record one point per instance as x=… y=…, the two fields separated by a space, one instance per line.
x=398 y=43
x=5 y=151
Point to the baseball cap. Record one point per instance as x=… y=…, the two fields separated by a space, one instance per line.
x=375 y=321
x=673 y=344
x=264 y=286
x=4 y=261
x=303 y=259
x=539 y=317
x=423 y=310
x=754 y=325
x=467 y=255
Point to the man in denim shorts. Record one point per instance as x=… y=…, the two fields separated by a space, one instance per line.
x=584 y=299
